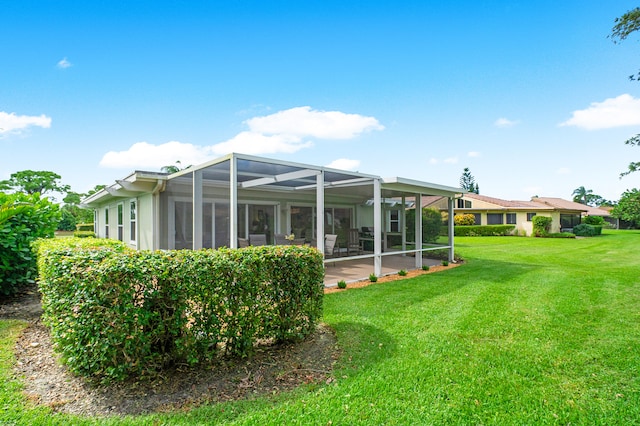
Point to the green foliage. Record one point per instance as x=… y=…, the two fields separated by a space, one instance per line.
x=560 y=235
x=27 y=218
x=445 y=263
x=593 y=220
x=541 y=225
x=115 y=312
x=342 y=284
x=85 y=227
x=468 y=182
x=628 y=208
x=483 y=230
x=464 y=219
x=67 y=222
x=402 y=272
x=32 y=182
x=431 y=225
x=425 y=267
x=373 y=278
x=84 y=234
x=72 y=215
x=586 y=230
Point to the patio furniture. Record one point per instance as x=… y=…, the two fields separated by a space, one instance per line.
x=297 y=242
x=330 y=245
x=243 y=242
x=257 y=239
x=281 y=240
x=353 y=242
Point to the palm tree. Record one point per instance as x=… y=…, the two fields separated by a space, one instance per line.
x=173 y=168
x=582 y=195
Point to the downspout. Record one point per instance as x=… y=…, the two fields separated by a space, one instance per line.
x=451 y=232
x=155 y=195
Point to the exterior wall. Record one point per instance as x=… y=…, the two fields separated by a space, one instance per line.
x=145 y=221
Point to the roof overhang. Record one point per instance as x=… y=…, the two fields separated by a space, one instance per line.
x=399 y=186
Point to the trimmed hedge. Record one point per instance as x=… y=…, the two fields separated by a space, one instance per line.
x=586 y=230
x=114 y=313
x=482 y=230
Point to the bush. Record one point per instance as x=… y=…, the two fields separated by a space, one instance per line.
x=464 y=219
x=445 y=263
x=85 y=227
x=115 y=312
x=541 y=225
x=593 y=220
x=585 y=230
x=84 y=234
x=67 y=222
x=560 y=235
x=373 y=278
x=425 y=267
x=28 y=217
x=483 y=230
x=342 y=284
x=402 y=272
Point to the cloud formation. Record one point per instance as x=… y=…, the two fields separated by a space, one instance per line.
x=473 y=154
x=63 y=63
x=503 y=123
x=285 y=131
x=345 y=164
x=621 y=111
x=10 y=123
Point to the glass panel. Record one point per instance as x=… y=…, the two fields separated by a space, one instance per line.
x=183 y=225
x=222 y=224
x=261 y=221
x=341 y=224
x=207 y=225
x=242 y=221
x=494 y=218
x=302 y=224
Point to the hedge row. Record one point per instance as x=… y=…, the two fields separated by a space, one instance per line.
x=482 y=230
x=114 y=313
x=586 y=230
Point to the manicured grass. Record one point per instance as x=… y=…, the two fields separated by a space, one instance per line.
x=528 y=331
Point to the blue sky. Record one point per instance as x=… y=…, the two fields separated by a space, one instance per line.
x=531 y=96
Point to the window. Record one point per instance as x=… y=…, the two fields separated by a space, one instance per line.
x=132 y=220
x=463 y=204
x=394 y=221
x=120 y=221
x=495 y=218
x=511 y=218
x=477 y=219
x=530 y=216
x=106 y=222
x=569 y=220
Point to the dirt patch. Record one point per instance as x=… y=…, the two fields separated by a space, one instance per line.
x=391 y=277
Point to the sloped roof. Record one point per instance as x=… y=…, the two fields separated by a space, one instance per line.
x=512 y=204
x=559 y=203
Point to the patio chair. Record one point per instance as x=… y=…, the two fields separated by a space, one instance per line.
x=330 y=245
x=281 y=240
x=353 y=242
x=298 y=242
x=257 y=239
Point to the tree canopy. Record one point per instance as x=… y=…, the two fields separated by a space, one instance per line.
x=32 y=182
x=628 y=207
x=468 y=182
x=587 y=197
x=624 y=26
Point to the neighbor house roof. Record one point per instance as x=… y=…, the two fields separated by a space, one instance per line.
x=559 y=203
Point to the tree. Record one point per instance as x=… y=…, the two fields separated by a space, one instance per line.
x=174 y=168
x=468 y=182
x=624 y=26
x=32 y=182
x=628 y=207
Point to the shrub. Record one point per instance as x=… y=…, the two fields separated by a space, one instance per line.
x=67 y=222
x=561 y=235
x=445 y=263
x=84 y=234
x=425 y=267
x=342 y=284
x=585 y=230
x=541 y=225
x=402 y=272
x=593 y=220
x=85 y=227
x=373 y=278
x=464 y=219
x=26 y=218
x=115 y=312
x=483 y=230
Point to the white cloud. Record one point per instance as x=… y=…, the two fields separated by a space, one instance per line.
x=303 y=121
x=451 y=160
x=613 y=112
x=505 y=122
x=344 y=164
x=258 y=143
x=143 y=154
x=63 y=63
x=433 y=160
x=473 y=154
x=283 y=132
x=14 y=124
x=563 y=171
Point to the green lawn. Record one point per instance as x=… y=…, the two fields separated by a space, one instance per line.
x=528 y=331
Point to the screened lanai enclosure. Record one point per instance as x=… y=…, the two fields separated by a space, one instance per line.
x=240 y=200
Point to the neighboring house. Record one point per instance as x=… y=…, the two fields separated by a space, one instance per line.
x=495 y=211
x=225 y=201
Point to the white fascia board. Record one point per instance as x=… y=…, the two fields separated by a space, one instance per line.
x=299 y=174
x=416 y=186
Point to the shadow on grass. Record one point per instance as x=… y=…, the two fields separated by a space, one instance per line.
x=362 y=346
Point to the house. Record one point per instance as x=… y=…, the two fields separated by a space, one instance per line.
x=230 y=200
x=495 y=211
